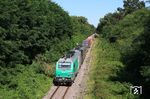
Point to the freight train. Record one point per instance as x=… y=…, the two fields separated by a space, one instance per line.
x=68 y=66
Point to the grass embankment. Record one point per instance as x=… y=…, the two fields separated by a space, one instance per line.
x=102 y=83
x=27 y=84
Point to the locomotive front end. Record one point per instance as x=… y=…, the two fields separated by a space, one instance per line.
x=64 y=74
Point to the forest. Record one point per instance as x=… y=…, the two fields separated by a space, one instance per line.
x=123 y=52
x=33 y=35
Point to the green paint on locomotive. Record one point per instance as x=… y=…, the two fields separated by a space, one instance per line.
x=69 y=71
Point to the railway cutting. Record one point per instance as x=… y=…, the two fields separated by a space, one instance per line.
x=63 y=90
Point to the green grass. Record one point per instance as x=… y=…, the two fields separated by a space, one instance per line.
x=102 y=82
x=28 y=84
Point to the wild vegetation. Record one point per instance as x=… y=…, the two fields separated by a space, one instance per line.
x=123 y=56
x=104 y=68
x=33 y=35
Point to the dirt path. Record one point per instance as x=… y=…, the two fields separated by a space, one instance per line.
x=77 y=90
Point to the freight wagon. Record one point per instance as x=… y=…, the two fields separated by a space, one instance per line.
x=68 y=66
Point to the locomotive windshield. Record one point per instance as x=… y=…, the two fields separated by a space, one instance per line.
x=64 y=65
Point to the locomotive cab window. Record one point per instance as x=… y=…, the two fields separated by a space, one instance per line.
x=64 y=65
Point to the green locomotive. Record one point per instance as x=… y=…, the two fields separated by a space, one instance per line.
x=67 y=67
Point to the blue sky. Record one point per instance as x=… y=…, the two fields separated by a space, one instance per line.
x=93 y=10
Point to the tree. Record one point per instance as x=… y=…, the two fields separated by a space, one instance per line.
x=131 y=6
x=29 y=28
x=148 y=1
x=110 y=19
x=107 y=22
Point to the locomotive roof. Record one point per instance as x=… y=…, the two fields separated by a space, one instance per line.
x=64 y=60
x=69 y=57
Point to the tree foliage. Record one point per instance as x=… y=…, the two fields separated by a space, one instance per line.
x=131 y=6
x=32 y=33
x=132 y=31
x=110 y=19
x=81 y=28
x=30 y=26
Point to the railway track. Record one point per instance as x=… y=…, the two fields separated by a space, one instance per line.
x=65 y=92
x=60 y=91
x=54 y=92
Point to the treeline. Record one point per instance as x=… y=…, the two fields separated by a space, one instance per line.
x=128 y=30
x=81 y=26
x=34 y=33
